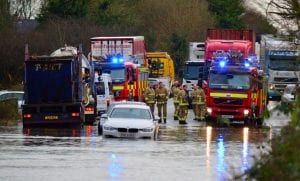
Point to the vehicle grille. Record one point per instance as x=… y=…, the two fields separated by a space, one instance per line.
x=133 y=130
x=228 y=101
x=286 y=79
x=226 y=113
x=122 y=129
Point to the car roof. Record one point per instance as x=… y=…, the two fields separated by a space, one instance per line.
x=127 y=102
x=134 y=106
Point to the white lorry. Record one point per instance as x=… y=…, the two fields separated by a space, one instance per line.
x=194 y=69
x=279 y=58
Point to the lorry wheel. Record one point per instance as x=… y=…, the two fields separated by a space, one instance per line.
x=99 y=129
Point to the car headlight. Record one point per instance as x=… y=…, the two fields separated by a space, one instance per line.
x=147 y=130
x=108 y=128
x=271 y=86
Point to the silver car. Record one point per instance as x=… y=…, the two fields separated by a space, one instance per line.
x=289 y=93
x=129 y=121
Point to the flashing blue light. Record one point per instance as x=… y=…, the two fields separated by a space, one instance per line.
x=222 y=64
x=121 y=60
x=247 y=64
x=115 y=60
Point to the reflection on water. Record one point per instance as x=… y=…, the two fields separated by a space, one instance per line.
x=220 y=156
x=86 y=131
x=208 y=140
x=227 y=142
x=246 y=156
x=37 y=136
x=115 y=167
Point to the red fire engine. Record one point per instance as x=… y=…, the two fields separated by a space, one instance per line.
x=235 y=90
x=124 y=58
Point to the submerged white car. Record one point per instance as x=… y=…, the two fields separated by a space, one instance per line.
x=129 y=121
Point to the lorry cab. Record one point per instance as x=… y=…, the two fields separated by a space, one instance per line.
x=103 y=90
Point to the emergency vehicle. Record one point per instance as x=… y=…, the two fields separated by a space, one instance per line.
x=235 y=89
x=124 y=58
x=103 y=91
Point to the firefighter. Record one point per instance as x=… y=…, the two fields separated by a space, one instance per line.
x=161 y=101
x=130 y=96
x=175 y=91
x=200 y=103
x=183 y=105
x=150 y=97
x=194 y=101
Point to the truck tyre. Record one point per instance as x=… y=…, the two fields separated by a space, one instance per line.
x=99 y=129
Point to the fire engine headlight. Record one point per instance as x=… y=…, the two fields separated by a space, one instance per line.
x=246 y=112
x=209 y=110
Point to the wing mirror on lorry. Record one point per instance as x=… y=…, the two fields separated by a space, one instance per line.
x=204 y=86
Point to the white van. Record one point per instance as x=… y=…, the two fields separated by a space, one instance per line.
x=104 y=94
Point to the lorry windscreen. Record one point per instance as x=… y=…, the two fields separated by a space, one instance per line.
x=191 y=72
x=229 y=81
x=118 y=75
x=287 y=65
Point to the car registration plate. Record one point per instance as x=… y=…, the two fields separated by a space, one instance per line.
x=128 y=134
x=227 y=116
x=51 y=117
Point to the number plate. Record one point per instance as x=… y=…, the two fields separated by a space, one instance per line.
x=51 y=117
x=128 y=134
x=227 y=116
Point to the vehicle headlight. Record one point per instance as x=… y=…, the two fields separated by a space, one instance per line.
x=147 y=130
x=246 y=112
x=271 y=86
x=109 y=128
x=209 y=110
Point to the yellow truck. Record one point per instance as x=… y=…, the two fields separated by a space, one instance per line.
x=160 y=65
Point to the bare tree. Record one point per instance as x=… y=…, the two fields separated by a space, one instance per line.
x=286 y=12
x=25 y=9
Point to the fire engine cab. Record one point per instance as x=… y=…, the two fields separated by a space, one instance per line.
x=235 y=89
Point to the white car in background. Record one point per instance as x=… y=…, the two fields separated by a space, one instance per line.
x=289 y=94
x=18 y=95
x=129 y=121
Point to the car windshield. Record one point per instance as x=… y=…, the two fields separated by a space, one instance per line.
x=118 y=75
x=229 y=81
x=133 y=113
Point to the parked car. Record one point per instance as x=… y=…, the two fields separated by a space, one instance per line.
x=18 y=95
x=274 y=95
x=289 y=93
x=128 y=120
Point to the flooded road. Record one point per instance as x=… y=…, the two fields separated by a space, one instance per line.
x=192 y=152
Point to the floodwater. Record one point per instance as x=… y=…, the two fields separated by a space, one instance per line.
x=191 y=152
